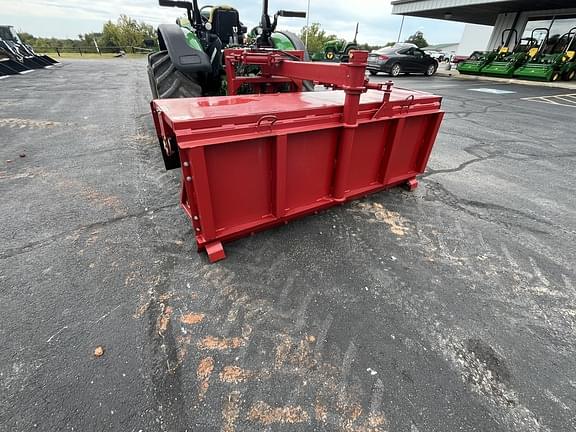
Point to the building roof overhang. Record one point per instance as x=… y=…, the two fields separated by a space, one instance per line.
x=473 y=11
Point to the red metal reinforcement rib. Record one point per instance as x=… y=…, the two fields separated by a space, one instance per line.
x=250 y=162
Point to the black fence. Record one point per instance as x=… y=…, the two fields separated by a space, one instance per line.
x=92 y=50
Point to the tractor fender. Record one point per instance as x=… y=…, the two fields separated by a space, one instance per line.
x=296 y=43
x=184 y=57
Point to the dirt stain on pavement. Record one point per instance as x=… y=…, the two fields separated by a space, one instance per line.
x=203 y=372
x=235 y=375
x=221 y=344
x=282 y=351
x=263 y=413
x=21 y=123
x=321 y=412
x=231 y=412
x=191 y=318
x=380 y=214
x=164 y=320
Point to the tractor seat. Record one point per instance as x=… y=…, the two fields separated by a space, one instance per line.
x=223 y=20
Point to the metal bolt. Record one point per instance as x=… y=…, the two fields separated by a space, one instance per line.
x=186 y=164
x=195 y=218
x=197 y=229
x=188 y=178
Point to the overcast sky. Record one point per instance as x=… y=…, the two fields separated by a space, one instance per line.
x=68 y=18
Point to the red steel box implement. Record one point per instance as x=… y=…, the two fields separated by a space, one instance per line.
x=250 y=162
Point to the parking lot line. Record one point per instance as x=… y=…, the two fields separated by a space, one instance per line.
x=491 y=90
x=568 y=100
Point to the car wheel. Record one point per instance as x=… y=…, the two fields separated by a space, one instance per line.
x=395 y=70
x=373 y=72
x=430 y=70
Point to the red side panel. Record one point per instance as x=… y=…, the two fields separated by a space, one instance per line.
x=370 y=142
x=310 y=164
x=240 y=182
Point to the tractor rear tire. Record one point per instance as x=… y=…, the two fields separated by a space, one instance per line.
x=167 y=82
x=299 y=46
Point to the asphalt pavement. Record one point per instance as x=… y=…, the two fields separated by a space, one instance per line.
x=450 y=308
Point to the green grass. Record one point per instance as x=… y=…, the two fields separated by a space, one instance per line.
x=88 y=56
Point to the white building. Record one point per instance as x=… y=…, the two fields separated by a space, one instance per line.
x=559 y=16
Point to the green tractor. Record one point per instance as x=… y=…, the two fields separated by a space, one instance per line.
x=478 y=60
x=190 y=60
x=507 y=62
x=555 y=61
x=337 y=49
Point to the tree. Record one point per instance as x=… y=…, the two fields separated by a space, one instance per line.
x=316 y=38
x=126 y=32
x=27 y=38
x=368 y=47
x=418 y=40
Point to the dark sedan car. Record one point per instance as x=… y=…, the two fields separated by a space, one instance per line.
x=397 y=60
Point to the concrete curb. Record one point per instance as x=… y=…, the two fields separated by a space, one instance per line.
x=571 y=85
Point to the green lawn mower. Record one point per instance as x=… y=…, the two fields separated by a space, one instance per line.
x=477 y=61
x=555 y=61
x=507 y=62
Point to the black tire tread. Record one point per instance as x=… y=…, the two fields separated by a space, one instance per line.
x=167 y=82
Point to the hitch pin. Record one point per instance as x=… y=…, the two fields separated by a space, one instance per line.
x=385 y=99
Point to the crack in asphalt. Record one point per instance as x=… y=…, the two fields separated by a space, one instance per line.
x=528 y=156
x=445 y=196
x=460 y=167
x=9 y=253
